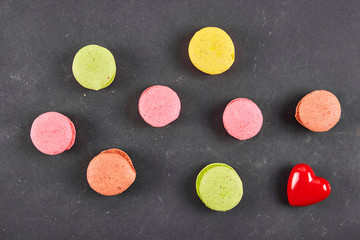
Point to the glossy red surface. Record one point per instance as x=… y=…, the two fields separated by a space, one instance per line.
x=304 y=188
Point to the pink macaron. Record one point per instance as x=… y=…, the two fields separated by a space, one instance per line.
x=52 y=133
x=242 y=118
x=159 y=105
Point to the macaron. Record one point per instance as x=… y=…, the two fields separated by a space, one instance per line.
x=52 y=133
x=111 y=172
x=211 y=50
x=242 y=118
x=94 y=67
x=318 y=111
x=159 y=105
x=219 y=187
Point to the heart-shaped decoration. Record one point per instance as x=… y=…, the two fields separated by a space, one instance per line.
x=304 y=188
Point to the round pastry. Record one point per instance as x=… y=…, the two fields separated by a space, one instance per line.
x=159 y=106
x=242 y=118
x=211 y=50
x=52 y=133
x=318 y=111
x=111 y=172
x=94 y=67
x=219 y=187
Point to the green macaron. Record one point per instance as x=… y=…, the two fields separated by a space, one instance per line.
x=94 y=67
x=219 y=187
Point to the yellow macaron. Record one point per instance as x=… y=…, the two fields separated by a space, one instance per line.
x=211 y=50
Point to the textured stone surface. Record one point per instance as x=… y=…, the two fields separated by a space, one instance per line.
x=284 y=49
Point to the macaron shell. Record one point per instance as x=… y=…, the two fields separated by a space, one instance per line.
x=111 y=172
x=94 y=67
x=297 y=112
x=159 y=106
x=122 y=154
x=242 y=118
x=219 y=187
x=211 y=50
x=73 y=130
x=319 y=111
x=203 y=171
x=52 y=133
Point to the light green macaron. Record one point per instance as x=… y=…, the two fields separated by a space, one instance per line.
x=219 y=187
x=94 y=67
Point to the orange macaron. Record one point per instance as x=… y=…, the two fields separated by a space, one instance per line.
x=318 y=111
x=111 y=172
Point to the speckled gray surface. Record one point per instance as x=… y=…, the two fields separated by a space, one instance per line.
x=284 y=49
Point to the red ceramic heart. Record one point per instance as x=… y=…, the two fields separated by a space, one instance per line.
x=304 y=188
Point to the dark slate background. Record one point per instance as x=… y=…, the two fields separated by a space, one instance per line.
x=284 y=49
